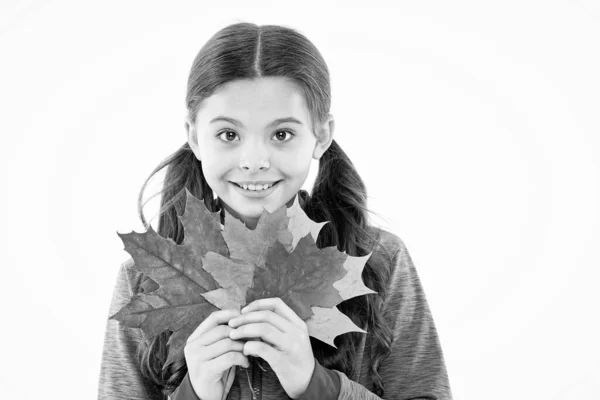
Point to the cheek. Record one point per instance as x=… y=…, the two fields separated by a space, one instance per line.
x=215 y=164
x=293 y=163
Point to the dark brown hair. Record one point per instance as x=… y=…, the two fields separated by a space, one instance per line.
x=248 y=51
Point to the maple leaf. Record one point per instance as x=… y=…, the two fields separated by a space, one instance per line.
x=351 y=285
x=299 y=225
x=235 y=276
x=281 y=277
x=217 y=268
x=251 y=245
x=302 y=278
x=175 y=301
x=327 y=323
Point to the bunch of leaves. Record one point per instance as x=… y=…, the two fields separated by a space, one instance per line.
x=228 y=266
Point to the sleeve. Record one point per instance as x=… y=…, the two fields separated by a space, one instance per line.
x=120 y=376
x=324 y=384
x=415 y=368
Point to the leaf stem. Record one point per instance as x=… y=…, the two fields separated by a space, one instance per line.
x=250 y=385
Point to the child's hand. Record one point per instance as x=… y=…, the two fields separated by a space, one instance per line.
x=285 y=342
x=210 y=353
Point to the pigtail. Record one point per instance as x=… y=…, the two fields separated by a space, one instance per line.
x=184 y=170
x=339 y=196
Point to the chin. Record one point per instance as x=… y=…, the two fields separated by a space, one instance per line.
x=253 y=208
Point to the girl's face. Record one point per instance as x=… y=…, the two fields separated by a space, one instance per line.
x=256 y=131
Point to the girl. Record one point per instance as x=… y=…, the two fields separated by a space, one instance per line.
x=258 y=100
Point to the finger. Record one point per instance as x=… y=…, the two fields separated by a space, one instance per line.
x=261 y=316
x=226 y=361
x=213 y=335
x=264 y=351
x=278 y=306
x=221 y=347
x=214 y=319
x=264 y=331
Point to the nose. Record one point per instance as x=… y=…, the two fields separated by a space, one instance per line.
x=254 y=157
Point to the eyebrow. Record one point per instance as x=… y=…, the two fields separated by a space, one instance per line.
x=238 y=123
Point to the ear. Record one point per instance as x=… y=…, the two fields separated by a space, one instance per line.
x=324 y=137
x=192 y=136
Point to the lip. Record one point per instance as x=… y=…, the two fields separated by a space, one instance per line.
x=254 y=193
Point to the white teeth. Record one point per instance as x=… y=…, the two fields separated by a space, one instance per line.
x=256 y=187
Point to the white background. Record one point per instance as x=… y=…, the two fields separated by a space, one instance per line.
x=474 y=124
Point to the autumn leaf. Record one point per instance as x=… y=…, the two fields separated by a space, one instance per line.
x=217 y=268
x=177 y=304
x=302 y=278
x=252 y=245
x=275 y=280
x=327 y=323
x=235 y=276
x=351 y=285
x=299 y=225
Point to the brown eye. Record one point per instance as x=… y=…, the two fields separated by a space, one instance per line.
x=228 y=135
x=280 y=134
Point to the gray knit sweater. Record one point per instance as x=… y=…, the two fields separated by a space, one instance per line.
x=415 y=369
